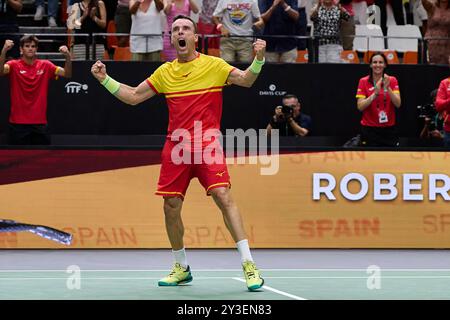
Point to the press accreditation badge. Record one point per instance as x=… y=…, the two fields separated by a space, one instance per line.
x=382 y=117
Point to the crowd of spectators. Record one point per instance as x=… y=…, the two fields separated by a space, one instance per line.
x=230 y=25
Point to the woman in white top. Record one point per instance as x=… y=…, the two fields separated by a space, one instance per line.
x=146 y=19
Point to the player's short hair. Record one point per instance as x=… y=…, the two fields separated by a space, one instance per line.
x=182 y=16
x=289 y=96
x=27 y=39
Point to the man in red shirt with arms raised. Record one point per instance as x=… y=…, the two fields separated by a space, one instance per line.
x=192 y=84
x=29 y=79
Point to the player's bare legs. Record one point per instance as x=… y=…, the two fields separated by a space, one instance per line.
x=174 y=224
x=181 y=272
x=233 y=221
x=230 y=212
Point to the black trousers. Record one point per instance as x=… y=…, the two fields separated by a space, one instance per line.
x=28 y=134
x=379 y=136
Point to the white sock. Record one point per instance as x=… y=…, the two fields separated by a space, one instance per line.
x=180 y=257
x=244 y=250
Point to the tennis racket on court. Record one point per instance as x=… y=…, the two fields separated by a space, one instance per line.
x=43 y=231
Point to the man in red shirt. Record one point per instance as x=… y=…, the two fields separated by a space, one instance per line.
x=29 y=79
x=192 y=85
x=443 y=106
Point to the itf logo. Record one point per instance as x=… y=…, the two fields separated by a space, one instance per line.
x=75 y=87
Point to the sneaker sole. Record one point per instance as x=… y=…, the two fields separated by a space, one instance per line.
x=256 y=287
x=173 y=284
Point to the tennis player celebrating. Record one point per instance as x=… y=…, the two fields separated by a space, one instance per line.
x=192 y=85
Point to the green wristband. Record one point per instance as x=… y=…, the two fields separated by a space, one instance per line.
x=256 y=65
x=111 y=85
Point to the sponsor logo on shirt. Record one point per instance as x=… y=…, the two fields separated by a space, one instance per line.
x=272 y=91
x=76 y=88
x=23 y=71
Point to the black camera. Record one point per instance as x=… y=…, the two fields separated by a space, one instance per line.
x=426 y=111
x=287 y=110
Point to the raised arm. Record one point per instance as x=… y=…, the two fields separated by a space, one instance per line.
x=102 y=21
x=123 y=92
x=292 y=13
x=194 y=6
x=428 y=5
x=247 y=78
x=167 y=6
x=65 y=72
x=395 y=96
x=159 y=5
x=134 y=6
x=4 y=68
x=268 y=13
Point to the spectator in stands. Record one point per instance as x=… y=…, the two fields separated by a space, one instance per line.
x=29 y=78
x=378 y=95
x=397 y=10
x=360 y=11
x=92 y=20
x=52 y=11
x=417 y=15
x=8 y=24
x=433 y=129
x=280 y=18
x=302 y=25
x=438 y=27
x=289 y=120
x=236 y=18
x=122 y=20
x=348 y=26
x=205 y=23
x=146 y=19
x=327 y=18
x=443 y=106
x=173 y=8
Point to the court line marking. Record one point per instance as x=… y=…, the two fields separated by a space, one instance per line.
x=208 y=278
x=221 y=270
x=275 y=290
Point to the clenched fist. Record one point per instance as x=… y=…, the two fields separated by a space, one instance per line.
x=98 y=70
x=7 y=46
x=65 y=51
x=259 y=46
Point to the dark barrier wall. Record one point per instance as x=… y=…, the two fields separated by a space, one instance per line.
x=327 y=93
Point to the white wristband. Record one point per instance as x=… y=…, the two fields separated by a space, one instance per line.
x=287 y=8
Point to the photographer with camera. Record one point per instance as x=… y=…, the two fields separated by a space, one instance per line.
x=433 y=128
x=288 y=119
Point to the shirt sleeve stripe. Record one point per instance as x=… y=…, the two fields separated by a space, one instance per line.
x=151 y=86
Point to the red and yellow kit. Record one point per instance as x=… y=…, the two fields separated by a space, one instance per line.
x=193 y=91
x=382 y=103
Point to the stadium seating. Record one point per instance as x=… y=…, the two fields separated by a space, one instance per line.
x=122 y=54
x=111 y=41
x=410 y=57
x=403 y=38
x=368 y=38
x=302 y=56
x=349 y=56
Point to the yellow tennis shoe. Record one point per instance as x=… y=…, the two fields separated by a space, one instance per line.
x=252 y=277
x=178 y=275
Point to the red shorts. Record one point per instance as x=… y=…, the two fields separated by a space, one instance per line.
x=174 y=178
